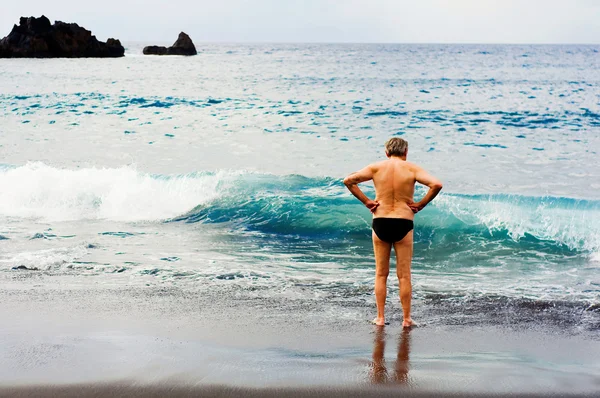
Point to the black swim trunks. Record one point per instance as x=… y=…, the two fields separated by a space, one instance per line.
x=392 y=230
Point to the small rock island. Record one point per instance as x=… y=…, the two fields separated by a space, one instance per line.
x=182 y=46
x=37 y=38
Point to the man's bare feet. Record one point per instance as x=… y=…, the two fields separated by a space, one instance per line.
x=408 y=323
x=379 y=322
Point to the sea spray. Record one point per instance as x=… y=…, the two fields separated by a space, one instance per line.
x=121 y=194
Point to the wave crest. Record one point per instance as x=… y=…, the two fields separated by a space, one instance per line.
x=122 y=194
x=286 y=205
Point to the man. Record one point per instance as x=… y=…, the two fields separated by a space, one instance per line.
x=393 y=213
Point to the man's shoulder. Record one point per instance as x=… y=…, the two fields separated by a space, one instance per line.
x=377 y=165
x=413 y=166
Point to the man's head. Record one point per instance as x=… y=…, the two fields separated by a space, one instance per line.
x=396 y=147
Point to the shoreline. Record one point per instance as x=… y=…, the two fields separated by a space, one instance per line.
x=98 y=340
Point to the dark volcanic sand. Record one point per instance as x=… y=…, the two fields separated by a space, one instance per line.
x=109 y=338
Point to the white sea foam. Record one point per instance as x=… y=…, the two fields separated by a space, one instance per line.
x=123 y=194
x=563 y=221
x=47 y=258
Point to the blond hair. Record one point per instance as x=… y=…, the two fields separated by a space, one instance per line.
x=396 y=147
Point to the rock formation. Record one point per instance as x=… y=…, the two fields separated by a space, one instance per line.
x=182 y=46
x=155 y=50
x=37 y=38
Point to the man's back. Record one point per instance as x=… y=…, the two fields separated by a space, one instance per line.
x=394 y=181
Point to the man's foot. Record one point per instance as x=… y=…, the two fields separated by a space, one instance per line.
x=409 y=323
x=379 y=322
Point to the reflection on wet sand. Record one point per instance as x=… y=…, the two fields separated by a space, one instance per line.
x=402 y=364
x=379 y=372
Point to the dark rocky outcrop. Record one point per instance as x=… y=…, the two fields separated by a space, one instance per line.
x=182 y=46
x=22 y=267
x=37 y=38
x=155 y=50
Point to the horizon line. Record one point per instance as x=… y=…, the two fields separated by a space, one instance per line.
x=380 y=43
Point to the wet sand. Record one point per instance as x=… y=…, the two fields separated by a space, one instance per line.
x=124 y=390
x=63 y=339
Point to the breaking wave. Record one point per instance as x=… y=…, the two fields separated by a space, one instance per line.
x=286 y=205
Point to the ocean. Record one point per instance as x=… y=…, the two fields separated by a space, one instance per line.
x=223 y=173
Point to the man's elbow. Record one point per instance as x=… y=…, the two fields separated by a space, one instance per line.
x=437 y=186
x=348 y=181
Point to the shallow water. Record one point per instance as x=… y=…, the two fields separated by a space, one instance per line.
x=223 y=171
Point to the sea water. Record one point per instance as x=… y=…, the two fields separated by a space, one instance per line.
x=224 y=171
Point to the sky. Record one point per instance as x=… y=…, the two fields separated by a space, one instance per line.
x=330 y=21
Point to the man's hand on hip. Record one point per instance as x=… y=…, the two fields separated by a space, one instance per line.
x=416 y=207
x=372 y=205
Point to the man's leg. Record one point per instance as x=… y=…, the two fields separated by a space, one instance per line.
x=382 y=269
x=404 y=251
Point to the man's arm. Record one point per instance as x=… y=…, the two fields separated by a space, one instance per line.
x=435 y=186
x=352 y=182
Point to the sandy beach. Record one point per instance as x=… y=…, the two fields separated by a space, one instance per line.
x=117 y=340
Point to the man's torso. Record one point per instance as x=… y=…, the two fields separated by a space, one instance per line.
x=394 y=181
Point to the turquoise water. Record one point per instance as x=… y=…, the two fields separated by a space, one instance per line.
x=224 y=170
